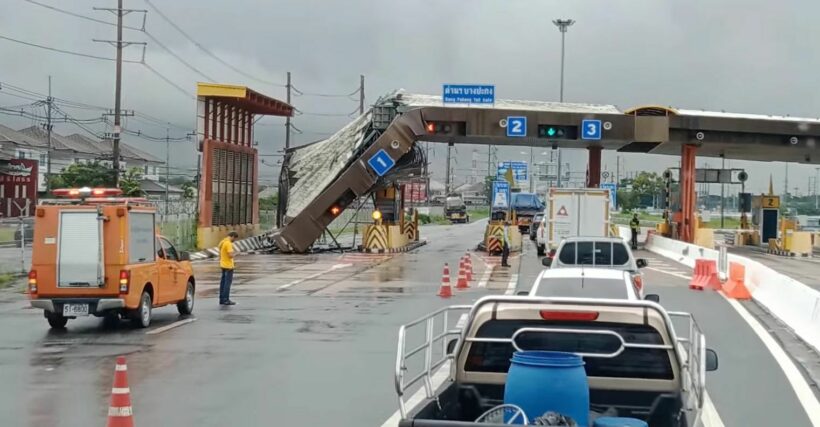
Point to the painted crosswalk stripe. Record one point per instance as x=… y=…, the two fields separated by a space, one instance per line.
x=312 y=276
x=486 y=276
x=511 y=285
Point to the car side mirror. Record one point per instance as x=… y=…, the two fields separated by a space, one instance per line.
x=711 y=360
x=641 y=262
x=184 y=256
x=522 y=293
x=451 y=345
x=546 y=261
x=653 y=297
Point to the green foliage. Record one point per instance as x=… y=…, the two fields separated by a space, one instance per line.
x=648 y=184
x=268 y=203
x=627 y=199
x=189 y=190
x=130 y=183
x=87 y=174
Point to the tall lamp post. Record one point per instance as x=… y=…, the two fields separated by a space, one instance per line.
x=563 y=25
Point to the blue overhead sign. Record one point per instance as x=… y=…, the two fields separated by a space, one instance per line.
x=613 y=193
x=381 y=162
x=469 y=94
x=519 y=170
x=591 y=129
x=516 y=126
x=501 y=195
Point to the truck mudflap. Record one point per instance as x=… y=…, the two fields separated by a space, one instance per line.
x=434 y=331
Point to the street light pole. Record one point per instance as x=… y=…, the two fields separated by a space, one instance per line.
x=563 y=25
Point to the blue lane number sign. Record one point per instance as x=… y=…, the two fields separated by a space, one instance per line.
x=381 y=162
x=591 y=129
x=516 y=126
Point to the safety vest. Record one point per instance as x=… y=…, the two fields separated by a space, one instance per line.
x=634 y=223
x=505 y=235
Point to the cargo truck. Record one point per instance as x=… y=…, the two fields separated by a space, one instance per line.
x=572 y=212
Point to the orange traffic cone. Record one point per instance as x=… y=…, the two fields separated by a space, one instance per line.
x=445 y=291
x=462 y=276
x=120 y=413
x=468 y=267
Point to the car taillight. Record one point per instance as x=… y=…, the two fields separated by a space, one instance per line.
x=569 y=315
x=638 y=282
x=32 y=281
x=551 y=254
x=125 y=280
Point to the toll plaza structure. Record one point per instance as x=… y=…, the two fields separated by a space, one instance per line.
x=229 y=178
x=321 y=179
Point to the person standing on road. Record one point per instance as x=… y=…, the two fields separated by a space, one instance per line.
x=505 y=244
x=635 y=227
x=226 y=255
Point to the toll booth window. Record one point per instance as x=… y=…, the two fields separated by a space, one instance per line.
x=168 y=250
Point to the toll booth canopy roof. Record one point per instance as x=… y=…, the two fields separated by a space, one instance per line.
x=414 y=100
x=245 y=98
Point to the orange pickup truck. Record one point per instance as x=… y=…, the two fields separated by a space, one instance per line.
x=95 y=253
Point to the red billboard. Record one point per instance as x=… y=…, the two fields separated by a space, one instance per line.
x=415 y=192
x=18 y=188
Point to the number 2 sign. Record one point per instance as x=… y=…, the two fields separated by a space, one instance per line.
x=516 y=126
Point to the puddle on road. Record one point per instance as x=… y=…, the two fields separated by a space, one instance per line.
x=236 y=318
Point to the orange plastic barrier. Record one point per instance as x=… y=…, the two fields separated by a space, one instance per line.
x=735 y=287
x=712 y=280
x=698 y=275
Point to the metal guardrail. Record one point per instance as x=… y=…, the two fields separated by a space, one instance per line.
x=431 y=338
x=694 y=364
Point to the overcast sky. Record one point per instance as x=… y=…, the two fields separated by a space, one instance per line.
x=751 y=56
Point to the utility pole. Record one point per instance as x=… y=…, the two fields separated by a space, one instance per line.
x=361 y=94
x=722 y=188
x=816 y=182
x=786 y=187
x=532 y=173
x=167 y=166
x=563 y=25
x=48 y=137
x=118 y=44
x=287 y=119
x=447 y=181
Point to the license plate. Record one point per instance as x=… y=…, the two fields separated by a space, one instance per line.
x=75 y=309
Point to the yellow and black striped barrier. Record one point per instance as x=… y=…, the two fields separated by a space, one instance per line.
x=493 y=238
x=375 y=237
x=410 y=231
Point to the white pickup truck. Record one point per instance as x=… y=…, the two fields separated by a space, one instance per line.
x=637 y=366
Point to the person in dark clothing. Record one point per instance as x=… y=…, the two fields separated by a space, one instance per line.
x=505 y=244
x=635 y=227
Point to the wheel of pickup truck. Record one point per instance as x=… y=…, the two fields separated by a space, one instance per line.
x=56 y=321
x=141 y=317
x=186 y=306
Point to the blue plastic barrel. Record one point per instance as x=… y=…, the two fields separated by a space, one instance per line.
x=619 y=422
x=544 y=381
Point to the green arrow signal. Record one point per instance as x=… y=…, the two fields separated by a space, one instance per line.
x=551 y=131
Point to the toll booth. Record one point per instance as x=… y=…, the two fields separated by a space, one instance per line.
x=766 y=216
x=394 y=226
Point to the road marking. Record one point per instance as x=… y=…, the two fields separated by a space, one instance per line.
x=682 y=276
x=511 y=286
x=441 y=375
x=486 y=276
x=312 y=276
x=798 y=383
x=171 y=326
x=709 y=416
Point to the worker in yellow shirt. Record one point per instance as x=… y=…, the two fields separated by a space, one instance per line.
x=226 y=255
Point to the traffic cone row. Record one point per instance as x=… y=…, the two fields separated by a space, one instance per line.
x=120 y=413
x=465 y=276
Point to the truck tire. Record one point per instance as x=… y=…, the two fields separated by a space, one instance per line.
x=56 y=321
x=186 y=306
x=141 y=317
x=541 y=250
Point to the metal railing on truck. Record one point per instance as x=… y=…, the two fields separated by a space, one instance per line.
x=441 y=318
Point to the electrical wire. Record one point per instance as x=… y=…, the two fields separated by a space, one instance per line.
x=206 y=50
x=178 y=57
x=68 y=52
x=167 y=80
x=77 y=15
x=298 y=92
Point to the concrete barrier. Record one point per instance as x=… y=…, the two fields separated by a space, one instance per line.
x=794 y=303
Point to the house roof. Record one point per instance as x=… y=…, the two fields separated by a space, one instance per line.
x=150 y=186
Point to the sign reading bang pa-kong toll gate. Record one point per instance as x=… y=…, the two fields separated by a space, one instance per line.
x=18 y=188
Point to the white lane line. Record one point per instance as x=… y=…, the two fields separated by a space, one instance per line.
x=171 y=326
x=682 y=276
x=798 y=383
x=486 y=276
x=312 y=276
x=512 y=284
x=709 y=416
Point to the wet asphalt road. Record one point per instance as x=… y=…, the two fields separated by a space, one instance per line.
x=313 y=341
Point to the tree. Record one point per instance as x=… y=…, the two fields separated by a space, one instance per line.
x=130 y=183
x=87 y=174
x=627 y=199
x=189 y=190
x=648 y=184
